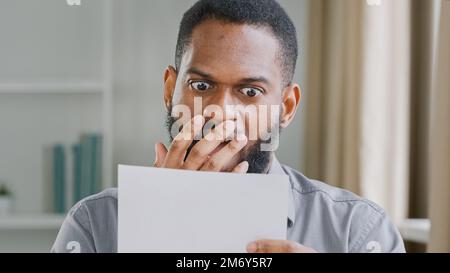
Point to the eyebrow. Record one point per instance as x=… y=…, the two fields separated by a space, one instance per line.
x=254 y=79
x=198 y=72
x=194 y=70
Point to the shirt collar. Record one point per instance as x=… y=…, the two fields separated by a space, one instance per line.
x=276 y=168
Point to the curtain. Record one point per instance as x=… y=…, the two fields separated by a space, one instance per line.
x=439 y=138
x=357 y=100
x=332 y=95
x=385 y=114
x=377 y=106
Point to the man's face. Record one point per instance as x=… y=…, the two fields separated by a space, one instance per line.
x=230 y=65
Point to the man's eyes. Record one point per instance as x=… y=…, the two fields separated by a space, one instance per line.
x=202 y=86
x=251 y=92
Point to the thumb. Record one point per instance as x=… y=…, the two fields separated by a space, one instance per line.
x=160 y=154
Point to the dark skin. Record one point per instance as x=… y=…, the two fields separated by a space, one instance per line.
x=227 y=64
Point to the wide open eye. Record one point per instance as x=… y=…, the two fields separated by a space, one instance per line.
x=251 y=92
x=201 y=86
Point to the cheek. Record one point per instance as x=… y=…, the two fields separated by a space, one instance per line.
x=182 y=101
x=262 y=121
x=180 y=96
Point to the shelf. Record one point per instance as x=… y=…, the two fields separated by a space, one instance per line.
x=416 y=230
x=31 y=222
x=77 y=99
x=51 y=88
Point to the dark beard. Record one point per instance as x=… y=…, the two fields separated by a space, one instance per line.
x=258 y=161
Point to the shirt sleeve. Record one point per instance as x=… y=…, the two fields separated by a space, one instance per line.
x=75 y=235
x=379 y=236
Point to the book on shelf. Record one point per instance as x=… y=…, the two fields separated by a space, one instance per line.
x=76 y=149
x=79 y=176
x=59 y=181
x=87 y=166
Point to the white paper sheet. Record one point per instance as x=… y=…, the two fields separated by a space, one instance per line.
x=164 y=210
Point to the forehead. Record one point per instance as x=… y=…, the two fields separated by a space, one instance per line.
x=233 y=50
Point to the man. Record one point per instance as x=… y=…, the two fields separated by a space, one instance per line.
x=240 y=53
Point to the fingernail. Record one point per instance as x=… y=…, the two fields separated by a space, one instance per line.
x=241 y=144
x=252 y=247
x=245 y=166
x=242 y=138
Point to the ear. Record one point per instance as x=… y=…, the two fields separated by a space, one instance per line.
x=170 y=80
x=291 y=101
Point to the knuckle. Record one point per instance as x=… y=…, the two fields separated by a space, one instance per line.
x=176 y=146
x=195 y=154
x=212 y=164
x=234 y=146
x=192 y=163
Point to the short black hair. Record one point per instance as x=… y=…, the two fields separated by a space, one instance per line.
x=261 y=13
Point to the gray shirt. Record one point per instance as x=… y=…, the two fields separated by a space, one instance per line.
x=322 y=217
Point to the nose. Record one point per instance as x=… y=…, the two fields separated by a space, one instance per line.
x=220 y=107
x=221 y=104
x=223 y=98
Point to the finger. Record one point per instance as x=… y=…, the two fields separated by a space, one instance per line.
x=160 y=154
x=216 y=162
x=277 y=246
x=241 y=168
x=199 y=153
x=180 y=144
x=266 y=246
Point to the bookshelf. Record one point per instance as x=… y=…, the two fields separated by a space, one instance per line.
x=21 y=88
x=32 y=222
x=80 y=77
